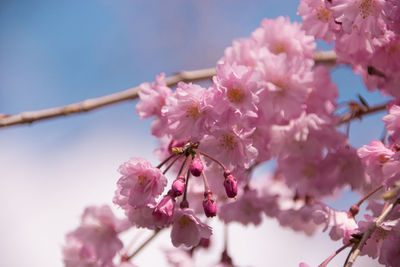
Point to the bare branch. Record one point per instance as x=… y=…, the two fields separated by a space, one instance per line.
x=357 y=114
x=323 y=57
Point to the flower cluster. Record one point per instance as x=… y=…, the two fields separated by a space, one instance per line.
x=268 y=100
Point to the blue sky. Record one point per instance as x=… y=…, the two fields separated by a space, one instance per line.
x=57 y=52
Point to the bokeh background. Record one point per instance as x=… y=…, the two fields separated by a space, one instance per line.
x=58 y=52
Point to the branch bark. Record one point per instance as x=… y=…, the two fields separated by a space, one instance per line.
x=320 y=57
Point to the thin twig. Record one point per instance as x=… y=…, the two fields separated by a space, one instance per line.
x=156 y=232
x=360 y=113
x=325 y=262
x=367 y=234
x=322 y=57
x=95 y=103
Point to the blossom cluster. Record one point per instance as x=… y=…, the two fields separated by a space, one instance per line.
x=268 y=100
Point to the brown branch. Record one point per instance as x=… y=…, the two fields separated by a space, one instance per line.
x=95 y=103
x=323 y=57
x=367 y=234
x=361 y=112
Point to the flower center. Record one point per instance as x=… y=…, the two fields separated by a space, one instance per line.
x=142 y=179
x=278 y=48
x=365 y=8
x=323 y=14
x=228 y=141
x=184 y=221
x=193 y=111
x=235 y=95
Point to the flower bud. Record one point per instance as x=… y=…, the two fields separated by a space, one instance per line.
x=204 y=242
x=230 y=185
x=354 y=210
x=209 y=204
x=196 y=167
x=164 y=210
x=227 y=173
x=178 y=186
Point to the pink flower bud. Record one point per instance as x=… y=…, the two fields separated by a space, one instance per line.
x=230 y=185
x=227 y=173
x=178 y=186
x=196 y=168
x=164 y=210
x=354 y=210
x=209 y=204
x=205 y=242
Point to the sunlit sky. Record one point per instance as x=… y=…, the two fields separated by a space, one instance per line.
x=58 y=52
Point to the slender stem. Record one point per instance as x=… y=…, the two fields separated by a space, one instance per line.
x=367 y=234
x=369 y=110
x=184 y=200
x=183 y=165
x=165 y=161
x=206 y=185
x=212 y=158
x=172 y=163
x=369 y=195
x=325 y=262
x=156 y=232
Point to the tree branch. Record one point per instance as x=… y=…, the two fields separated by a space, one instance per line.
x=367 y=234
x=322 y=57
x=360 y=112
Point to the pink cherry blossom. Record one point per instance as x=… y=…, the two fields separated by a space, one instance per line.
x=239 y=89
x=186 y=112
x=282 y=36
x=95 y=241
x=152 y=97
x=139 y=185
x=164 y=210
x=318 y=20
x=187 y=229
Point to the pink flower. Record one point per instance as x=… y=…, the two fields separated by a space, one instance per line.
x=239 y=89
x=281 y=36
x=152 y=97
x=390 y=251
x=95 y=241
x=342 y=222
x=186 y=112
x=139 y=185
x=287 y=85
x=179 y=257
x=248 y=208
x=188 y=229
x=164 y=210
x=232 y=145
x=374 y=157
x=318 y=20
x=392 y=122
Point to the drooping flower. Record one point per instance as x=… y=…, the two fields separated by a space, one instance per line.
x=95 y=241
x=139 y=185
x=187 y=229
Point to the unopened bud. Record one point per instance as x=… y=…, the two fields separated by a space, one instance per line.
x=178 y=186
x=227 y=173
x=204 y=242
x=209 y=204
x=354 y=210
x=196 y=167
x=230 y=185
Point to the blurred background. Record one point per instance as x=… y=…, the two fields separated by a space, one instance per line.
x=58 y=52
